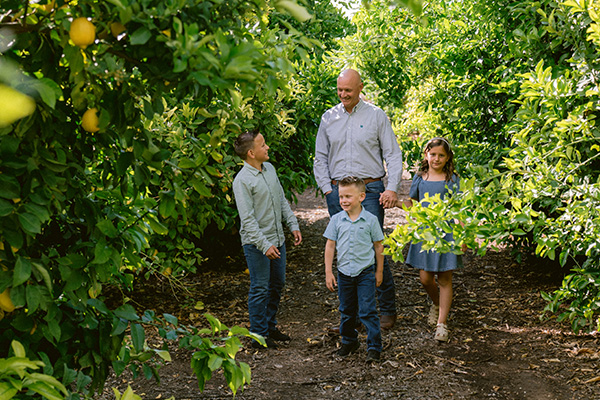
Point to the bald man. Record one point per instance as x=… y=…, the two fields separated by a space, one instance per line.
x=354 y=139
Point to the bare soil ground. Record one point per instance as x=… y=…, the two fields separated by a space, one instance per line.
x=498 y=346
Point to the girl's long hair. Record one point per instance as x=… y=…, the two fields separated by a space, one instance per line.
x=448 y=168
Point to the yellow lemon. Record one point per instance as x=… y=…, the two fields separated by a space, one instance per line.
x=5 y=302
x=168 y=271
x=82 y=32
x=14 y=105
x=89 y=121
x=116 y=28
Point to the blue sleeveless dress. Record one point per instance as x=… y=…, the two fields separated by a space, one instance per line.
x=431 y=260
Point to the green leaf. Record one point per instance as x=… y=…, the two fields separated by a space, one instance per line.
x=22 y=271
x=214 y=362
x=9 y=187
x=34 y=297
x=171 y=319
x=45 y=275
x=138 y=336
x=127 y=312
x=6 y=207
x=30 y=223
x=124 y=161
x=45 y=390
x=201 y=188
x=186 y=163
x=40 y=212
x=165 y=355
x=106 y=227
x=140 y=36
x=50 y=380
x=294 y=9
x=157 y=226
x=102 y=253
x=48 y=90
x=166 y=206
x=7 y=391
x=18 y=349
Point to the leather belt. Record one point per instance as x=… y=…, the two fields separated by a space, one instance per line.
x=366 y=180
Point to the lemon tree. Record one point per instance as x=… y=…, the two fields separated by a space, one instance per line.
x=164 y=97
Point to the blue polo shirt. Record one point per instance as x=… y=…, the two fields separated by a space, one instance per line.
x=354 y=241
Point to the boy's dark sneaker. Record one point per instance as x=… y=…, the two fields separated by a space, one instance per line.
x=348 y=348
x=373 y=356
x=278 y=336
x=269 y=342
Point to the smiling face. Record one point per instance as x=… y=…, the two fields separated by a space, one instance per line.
x=260 y=150
x=437 y=158
x=349 y=86
x=350 y=198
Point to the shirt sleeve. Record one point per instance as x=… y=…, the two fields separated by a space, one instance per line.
x=331 y=230
x=321 y=164
x=413 y=193
x=391 y=153
x=245 y=206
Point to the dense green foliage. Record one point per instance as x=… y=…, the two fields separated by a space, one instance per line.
x=512 y=85
x=147 y=192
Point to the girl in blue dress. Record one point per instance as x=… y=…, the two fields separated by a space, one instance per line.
x=435 y=175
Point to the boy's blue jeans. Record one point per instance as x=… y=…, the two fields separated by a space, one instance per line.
x=267 y=279
x=386 y=292
x=357 y=300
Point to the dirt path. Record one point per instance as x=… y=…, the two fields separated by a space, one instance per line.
x=498 y=347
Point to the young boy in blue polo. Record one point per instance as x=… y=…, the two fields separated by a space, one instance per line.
x=356 y=235
x=262 y=206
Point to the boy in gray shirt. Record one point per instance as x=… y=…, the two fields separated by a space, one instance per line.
x=262 y=207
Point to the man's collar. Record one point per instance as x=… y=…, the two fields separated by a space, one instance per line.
x=356 y=107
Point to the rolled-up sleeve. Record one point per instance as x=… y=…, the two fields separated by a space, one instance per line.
x=391 y=153
x=321 y=164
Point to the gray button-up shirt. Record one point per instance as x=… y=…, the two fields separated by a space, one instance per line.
x=262 y=205
x=355 y=144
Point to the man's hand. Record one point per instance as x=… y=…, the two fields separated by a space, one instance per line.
x=388 y=199
x=297 y=237
x=273 y=253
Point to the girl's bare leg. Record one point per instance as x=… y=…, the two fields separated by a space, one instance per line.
x=445 y=295
x=428 y=282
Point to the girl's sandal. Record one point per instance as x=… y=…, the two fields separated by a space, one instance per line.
x=441 y=333
x=434 y=313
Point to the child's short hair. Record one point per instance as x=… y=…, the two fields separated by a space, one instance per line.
x=245 y=142
x=353 y=180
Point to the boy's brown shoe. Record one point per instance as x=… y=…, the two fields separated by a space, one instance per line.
x=387 y=321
